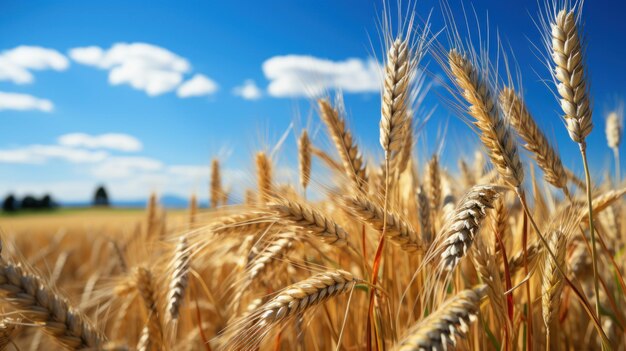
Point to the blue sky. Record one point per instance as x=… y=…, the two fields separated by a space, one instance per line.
x=141 y=95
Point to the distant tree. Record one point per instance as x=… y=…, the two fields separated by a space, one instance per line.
x=47 y=202
x=9 y=204
x=29 y=202
x=101 y=198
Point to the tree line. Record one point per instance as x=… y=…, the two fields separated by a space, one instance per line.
x=12 y=204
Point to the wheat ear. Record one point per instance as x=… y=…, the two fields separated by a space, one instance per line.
x=146 y=285
x=395 y=96
x=567 y=54
x=552 y=281
x=459 y=232
x=423 y=208
x=348 y=151
x=39 y=304
x=536 y=142
x=216 y=183
x=264 y=177
x=304 y=153
x=293 y=300
x=441 y=327
x=486 y=265
x=434 y=184
x=517 y=261
x=242 y=224
x=310 y=220
x=180 y=275
x=614 y=130
x=397 y=230
x=494 y=133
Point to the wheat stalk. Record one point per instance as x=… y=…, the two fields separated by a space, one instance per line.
x=451 y=319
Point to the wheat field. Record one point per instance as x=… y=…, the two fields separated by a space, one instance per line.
x=397 y=253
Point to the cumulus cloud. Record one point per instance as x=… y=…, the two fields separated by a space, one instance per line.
x=249 y=90
x=125 y=166
x=113 y=141
x=35 y=154
x=308 y=76
x=199 y=85
x=16 y=64
x=24 y=102
x=145 y=67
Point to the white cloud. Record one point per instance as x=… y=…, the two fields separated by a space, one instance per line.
x=249 y=90
x=123 y=167
x=146 y=67
x=199 y=85
x=308 y=76
x=113 y=141
x=35 y=154
x=24 y=102
x=16 y=64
